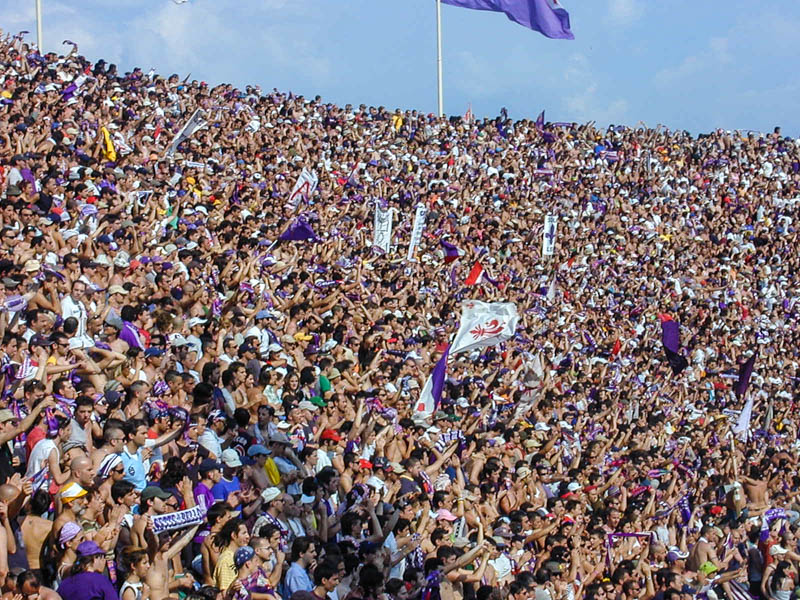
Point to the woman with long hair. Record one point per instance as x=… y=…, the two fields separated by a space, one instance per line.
x=137 y=563
x=86 y=580
x=230 y=538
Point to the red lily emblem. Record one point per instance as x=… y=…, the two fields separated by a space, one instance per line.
x=491 y=328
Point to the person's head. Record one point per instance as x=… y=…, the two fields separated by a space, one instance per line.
x=82 y=470
x=154 y=501
x=303 y=550
x=83 y=410
x=234 y=532
x=136 y=432
x=326 y=576
x=124 y=492
x=114 y=437
x=136 y=561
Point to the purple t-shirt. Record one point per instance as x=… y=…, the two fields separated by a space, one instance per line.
x=87 y=586
x=202 y=497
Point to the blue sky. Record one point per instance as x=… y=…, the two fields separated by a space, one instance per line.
x=686 y=64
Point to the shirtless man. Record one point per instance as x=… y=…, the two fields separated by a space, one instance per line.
x=163 y=550
x=35 y=529
x=705 y=550
x=217 y=516
x=113 y=438
x=756 y=491
x=255 y=473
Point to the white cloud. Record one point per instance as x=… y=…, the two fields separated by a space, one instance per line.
x=717 y=54
x=624 y=12
x=213 y=39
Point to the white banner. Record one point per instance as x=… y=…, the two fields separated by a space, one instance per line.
x=305 y=186
x=195 y=122
x=484 y=324
x=383 y=228
x=549 y=235
x=416 y=232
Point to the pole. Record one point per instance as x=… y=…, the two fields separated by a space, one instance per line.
x=39 y=25
x=439 y=53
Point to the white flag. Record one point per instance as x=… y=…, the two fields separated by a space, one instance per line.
x=549 y=235
x=195 y=122
x=742 y=428
x=383 y=228
x=305 y=186
x=484 y=324
x=416 y=232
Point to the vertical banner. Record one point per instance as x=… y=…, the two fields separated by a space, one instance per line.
x=549 y=235
x=305 y=186
x=195 y=122
x=383 y=228
x=416 y=232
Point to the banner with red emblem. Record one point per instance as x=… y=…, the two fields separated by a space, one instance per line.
x=484 y=324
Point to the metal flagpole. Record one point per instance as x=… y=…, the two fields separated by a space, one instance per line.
x=439 y=55
x=39 y=25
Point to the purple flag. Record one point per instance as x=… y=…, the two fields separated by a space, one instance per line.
x=540 y=121
x=745 y=371
x=298 y=231
x=450 y=251
x=544 y=16
x=431 y=393
x=671 y=339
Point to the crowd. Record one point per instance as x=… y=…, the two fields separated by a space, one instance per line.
x=194 y=406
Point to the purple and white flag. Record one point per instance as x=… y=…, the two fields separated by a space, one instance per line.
x=549 y=235
x=545 y=16
x=485 y=324
x=432 y=390
x=305 y=186
x=382 y=234
x=416 y=231
x=195 y=123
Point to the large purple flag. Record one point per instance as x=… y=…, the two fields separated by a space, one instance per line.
x=671 y=339
x=299 y=230
x=544 y=16
x=432 y=390
x=745 y=371
x=451 y=252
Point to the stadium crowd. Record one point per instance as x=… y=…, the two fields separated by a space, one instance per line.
x=195 y=408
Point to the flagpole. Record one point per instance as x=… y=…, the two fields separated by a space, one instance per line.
x=439 y=53
x=39 y=25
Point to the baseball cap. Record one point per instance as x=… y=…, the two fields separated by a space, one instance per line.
x=231 y=458
x=153 y=491
x=153 y=352
x=445 y=515
x=89 y=548
x=209 y=464
x=306 y=405
x=327 y=434
x=242 y=555
x=776 y=549
x=194 y=321
x=257 y=450
x=117 y=289
x=6 y=415
x=269 y=494
x=280 y=438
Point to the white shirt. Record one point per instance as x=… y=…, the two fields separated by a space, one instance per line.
x=71 y=308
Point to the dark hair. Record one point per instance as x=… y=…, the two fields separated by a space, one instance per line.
x=225 y=535
x=300 y=546
x=120 y=489
x=324 y=571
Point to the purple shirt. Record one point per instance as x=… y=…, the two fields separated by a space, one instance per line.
x=87 y=586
